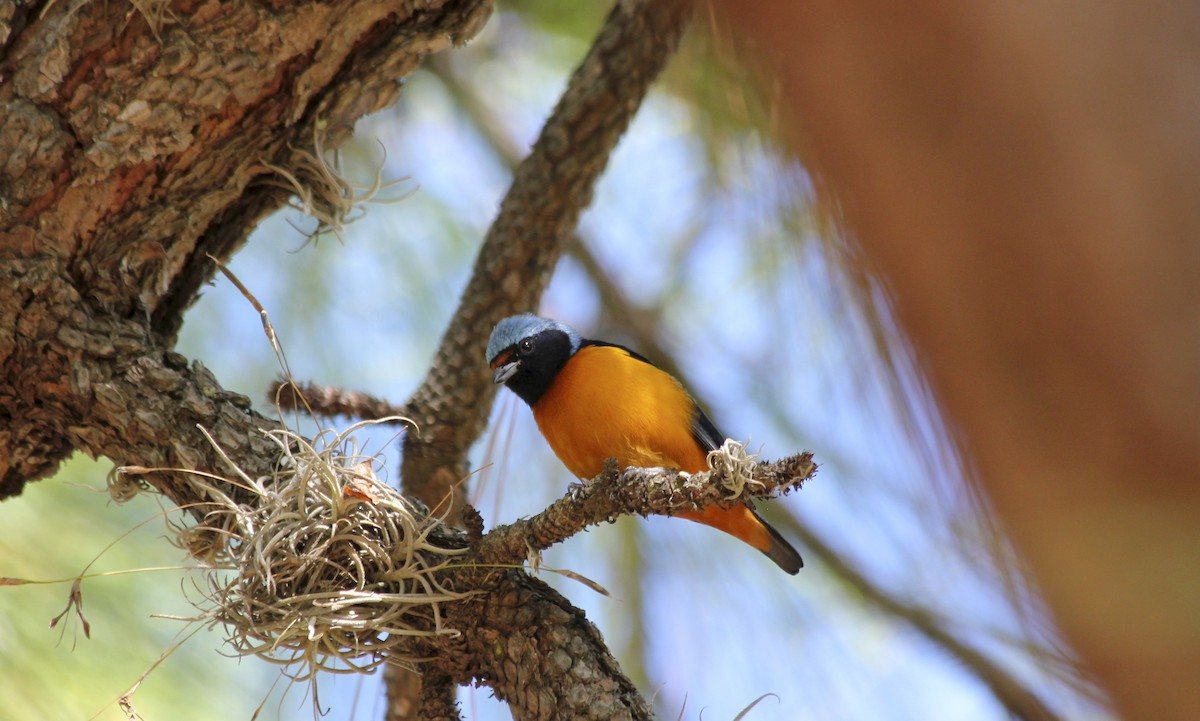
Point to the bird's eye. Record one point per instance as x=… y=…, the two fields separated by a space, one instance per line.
x=526 y=345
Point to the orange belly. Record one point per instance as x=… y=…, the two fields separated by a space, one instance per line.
x=605 y=403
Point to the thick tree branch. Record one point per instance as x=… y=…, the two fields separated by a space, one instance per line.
x=119 y=397
x=439 y=698
x=349 y=67
x=542 y=655
x=549 y=191
x=126 y=156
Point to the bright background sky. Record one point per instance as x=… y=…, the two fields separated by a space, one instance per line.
x=703 y=226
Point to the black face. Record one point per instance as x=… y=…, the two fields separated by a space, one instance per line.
x=539 y=357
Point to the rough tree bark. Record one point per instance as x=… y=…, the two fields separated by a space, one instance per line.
x=131 y=151
x=550 y=189
x=126 y=157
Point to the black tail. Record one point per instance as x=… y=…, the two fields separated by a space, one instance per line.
x=782 y=552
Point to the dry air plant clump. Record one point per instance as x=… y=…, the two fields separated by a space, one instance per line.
x=319 y=190
x=328 y=569
x=733 y=466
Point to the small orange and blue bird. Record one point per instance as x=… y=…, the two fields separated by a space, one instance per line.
x=594 y=400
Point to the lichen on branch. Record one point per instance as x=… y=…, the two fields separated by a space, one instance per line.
x=642 y=491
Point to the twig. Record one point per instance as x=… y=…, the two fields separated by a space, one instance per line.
x=320 y=400
x=644 y=491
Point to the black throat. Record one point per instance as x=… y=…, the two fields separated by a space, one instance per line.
x=551 y=351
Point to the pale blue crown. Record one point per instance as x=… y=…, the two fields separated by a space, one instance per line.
x=515 y=327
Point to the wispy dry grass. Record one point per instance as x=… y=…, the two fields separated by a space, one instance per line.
x=321 y=192
x=326 y=568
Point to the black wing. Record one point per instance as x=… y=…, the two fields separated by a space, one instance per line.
x=705 y=433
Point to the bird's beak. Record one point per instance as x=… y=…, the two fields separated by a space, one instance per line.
x=505 y=371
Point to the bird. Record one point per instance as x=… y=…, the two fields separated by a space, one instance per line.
x=595 y=400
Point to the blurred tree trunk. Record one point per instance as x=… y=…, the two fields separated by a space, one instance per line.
x=1026 y=177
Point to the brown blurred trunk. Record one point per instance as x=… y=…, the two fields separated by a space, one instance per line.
x=1027 y=179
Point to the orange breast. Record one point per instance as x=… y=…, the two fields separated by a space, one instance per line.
x=605 y=403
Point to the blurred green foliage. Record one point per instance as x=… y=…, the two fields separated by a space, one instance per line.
x=53 y=532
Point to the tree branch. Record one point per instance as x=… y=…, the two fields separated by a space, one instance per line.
x=439 y=698
x=321 y=400
x=128 y=155
x=549 y=191
x=541 y=655
x=641 y=491
x=537 y=216
x=349 y=67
